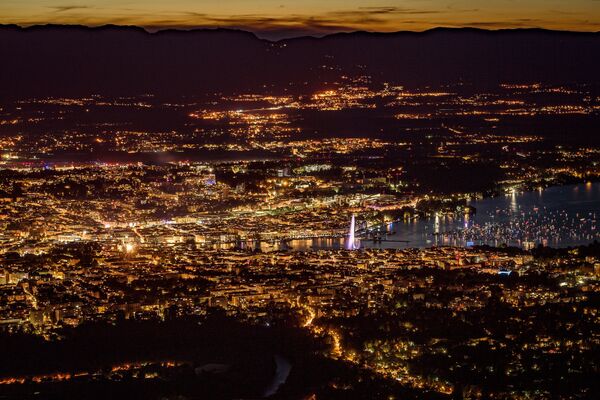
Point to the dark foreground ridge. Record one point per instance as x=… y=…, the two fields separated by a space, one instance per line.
x=63 y=60
x=179 y=359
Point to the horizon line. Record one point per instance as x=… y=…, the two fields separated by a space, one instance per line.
x=257 y=33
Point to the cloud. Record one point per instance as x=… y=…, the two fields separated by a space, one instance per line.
x=265 y=27
x=391 y=11
x=361 y=18
x=285 y=25
x=68 y=8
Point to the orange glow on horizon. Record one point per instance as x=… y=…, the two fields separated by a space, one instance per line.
x=286 y=18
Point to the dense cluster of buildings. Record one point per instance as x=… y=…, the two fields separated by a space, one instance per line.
x=333 y=293
x=262 y=238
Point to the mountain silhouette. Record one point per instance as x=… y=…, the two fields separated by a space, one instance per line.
x=55 y=60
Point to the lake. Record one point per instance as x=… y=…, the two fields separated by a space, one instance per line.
x=560 y=216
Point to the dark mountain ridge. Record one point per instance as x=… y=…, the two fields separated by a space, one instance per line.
x=77 y=60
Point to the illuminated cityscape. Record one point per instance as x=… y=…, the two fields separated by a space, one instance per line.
x=334 y=233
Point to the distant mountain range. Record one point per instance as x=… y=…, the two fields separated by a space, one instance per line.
x=76 y=60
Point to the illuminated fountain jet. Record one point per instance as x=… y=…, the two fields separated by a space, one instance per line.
x=351 y=244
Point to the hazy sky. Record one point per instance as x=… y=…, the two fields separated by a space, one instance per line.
x=277 y=18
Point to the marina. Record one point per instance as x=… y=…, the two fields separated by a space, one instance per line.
x=560 y=216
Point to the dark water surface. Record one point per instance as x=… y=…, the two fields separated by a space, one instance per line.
x=559 y=216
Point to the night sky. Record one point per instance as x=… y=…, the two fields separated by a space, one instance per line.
x=283 y=18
